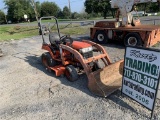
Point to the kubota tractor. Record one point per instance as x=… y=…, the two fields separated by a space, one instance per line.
x=69 y=57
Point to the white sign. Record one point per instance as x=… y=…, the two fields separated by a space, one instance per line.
x=25 y=16
x=141 y=75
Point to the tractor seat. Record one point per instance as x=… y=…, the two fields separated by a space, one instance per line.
x=54 y=39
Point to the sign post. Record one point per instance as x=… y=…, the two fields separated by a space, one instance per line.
x=141 y=75
x=26 y=17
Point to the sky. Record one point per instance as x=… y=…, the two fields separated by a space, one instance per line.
x=76 y=5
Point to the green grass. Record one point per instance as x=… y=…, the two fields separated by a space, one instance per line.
x=18 y=32
x=59 y=20
x=76 y=30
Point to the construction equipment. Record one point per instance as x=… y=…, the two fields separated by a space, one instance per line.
x=69 y=57
x=131 y=31
x=125 y=7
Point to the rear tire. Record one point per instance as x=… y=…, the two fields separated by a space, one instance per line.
x=71 y=73
x=132 y=39
x=100 y=37
x=47 y=60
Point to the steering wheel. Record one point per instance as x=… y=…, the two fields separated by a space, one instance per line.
x=66 y=39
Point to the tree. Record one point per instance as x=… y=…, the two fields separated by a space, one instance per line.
x=154 y=7
x=75 y=15
x=2 y=17
x=84 y=15
x=66 y=12
x=98 y=6
x=148 y=7
x=60 y=14
x=159 y=5
x=36 y=8
x=18 y=8
x=15 y=12
x=49 y=9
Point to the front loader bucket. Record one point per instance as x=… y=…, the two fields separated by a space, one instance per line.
x=105 y=81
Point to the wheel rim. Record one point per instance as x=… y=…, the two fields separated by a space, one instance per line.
x=100 y=37
x=132 y=41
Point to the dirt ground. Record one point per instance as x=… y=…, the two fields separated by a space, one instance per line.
x=29 y=92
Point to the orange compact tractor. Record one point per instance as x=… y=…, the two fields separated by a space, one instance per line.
x=69 y=57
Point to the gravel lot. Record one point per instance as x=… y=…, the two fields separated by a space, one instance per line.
x=29 y=92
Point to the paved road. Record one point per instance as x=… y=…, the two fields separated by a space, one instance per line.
x=146 y=20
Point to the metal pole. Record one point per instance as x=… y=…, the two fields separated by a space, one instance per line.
x=70 y=10
x=69 y=5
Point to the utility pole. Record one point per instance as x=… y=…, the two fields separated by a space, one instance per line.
x=70 y=11
x=69 y=5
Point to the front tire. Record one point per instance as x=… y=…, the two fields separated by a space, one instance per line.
x=132 y=39
x=47 y=60
x=71 y=73
x=96 y=66
x=100 y=37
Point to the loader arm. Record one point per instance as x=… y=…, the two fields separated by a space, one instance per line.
x=101 y=82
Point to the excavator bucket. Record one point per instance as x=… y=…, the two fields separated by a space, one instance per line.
x=107 y=80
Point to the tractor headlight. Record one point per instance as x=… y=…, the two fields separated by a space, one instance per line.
x=85 y=50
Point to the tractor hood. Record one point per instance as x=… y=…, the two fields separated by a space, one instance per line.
x=79 y=45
